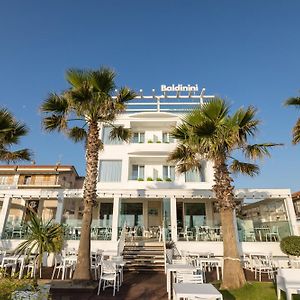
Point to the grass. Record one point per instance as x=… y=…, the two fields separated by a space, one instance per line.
x=254 y=291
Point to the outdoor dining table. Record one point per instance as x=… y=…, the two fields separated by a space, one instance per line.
x=15 y=260
x=170 y=268
x=189 y=290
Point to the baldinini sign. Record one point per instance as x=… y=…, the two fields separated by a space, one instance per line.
x=179 y=88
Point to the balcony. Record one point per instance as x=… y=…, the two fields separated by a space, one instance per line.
x=150 y=149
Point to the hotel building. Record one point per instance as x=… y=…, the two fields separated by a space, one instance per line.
x=137 y=186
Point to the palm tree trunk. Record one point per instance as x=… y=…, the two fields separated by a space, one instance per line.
x=233 y=274
x=83 y=266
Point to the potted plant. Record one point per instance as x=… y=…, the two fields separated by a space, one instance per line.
x=150 y=141
x=158 y=179
x=170 y=245
x=168 y=179
x=158 y=142
x=140 y=179
x=44 y=237
x=149 y=179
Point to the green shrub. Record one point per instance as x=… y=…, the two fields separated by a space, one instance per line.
x=150 y=141
x=149 y=179
x=290 y=245
x=140 y=179
x=158 y=142
x=168 y=179
x=158 y=179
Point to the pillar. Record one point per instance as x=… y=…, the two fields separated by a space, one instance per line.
x=173 y=219
x=4 y=213
x=60 y=207
x=115 y=218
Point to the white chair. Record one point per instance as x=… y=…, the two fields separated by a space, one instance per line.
x=262 y=265
x=274 y=233
x=109 y=276
x=186 y=234
x=60 y=265
x=95 y=265
x=288 y=280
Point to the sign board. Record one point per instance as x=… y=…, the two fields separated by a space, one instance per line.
x=179 y=88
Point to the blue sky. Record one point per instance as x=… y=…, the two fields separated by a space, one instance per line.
x=245 y=51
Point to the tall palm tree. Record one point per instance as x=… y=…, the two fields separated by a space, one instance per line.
x=295 y=101
x=88 y=100
x=209 y=132
x=11 y=131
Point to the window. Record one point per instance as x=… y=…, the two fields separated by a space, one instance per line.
x=3 y=180
x=193 y=176
x=110 y=170
x=27 y=179
x=167 y=138
x=138 y=137
x=138 y=171
x=106 y=139
x=169 y=172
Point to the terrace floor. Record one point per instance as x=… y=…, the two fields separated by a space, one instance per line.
x=136 y=286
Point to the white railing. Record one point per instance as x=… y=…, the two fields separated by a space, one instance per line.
x=164 y=242
x=121 y=241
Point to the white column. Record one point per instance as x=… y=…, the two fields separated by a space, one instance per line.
x=60 y=207
x=115 y=218
x=290 y=210
x=4 y=213
x=173 y=219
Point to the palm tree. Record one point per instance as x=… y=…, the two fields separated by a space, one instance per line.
x=10 y=133
x=295 y=101
x=43 y=236
x=209 y=132
x=89 y=100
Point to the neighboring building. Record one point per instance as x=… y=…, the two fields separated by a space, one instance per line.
x=137 y=185
x=296 y=202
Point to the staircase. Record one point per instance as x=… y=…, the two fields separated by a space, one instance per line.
x=144 y=256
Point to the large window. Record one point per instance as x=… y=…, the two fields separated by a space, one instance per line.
x=138 y=171
x=132 y=214
x=138 y=137
x=106 y=137
x=194 y=214
x=169 y=172
x=110 y=170
x=3 y=180
x=193 y=176
x=167 y=138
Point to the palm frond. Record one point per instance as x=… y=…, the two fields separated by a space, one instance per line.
x=125 y=94
x=120 y=133
x=56 y=104
x=55 y=122
x=293 y=101
x=258 y=151
x=77 y=134
x=244 y=168
x=296 y=133
x=103 y=80
x=15 y=156
x=215 y=110
x=77 y=77
x=185 y=158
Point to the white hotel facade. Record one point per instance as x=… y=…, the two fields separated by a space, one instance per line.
x=137 y=185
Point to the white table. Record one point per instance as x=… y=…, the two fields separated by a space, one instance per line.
x=204 y=290
x=176 y=268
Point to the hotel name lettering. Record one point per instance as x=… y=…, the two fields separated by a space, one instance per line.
x=179 y=88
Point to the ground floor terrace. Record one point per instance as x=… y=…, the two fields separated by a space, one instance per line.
x=187 y=217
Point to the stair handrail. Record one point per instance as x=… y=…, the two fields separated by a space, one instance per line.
x=164 y=243
x=121 y=241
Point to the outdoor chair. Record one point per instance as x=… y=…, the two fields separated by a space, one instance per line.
x=288 y=280
x=60 y=266
x=274 y=233
x=262 y=265
x=109 y=276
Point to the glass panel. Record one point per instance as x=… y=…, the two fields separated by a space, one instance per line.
x=192 y=176
x=165 y=137
x=172 y=173
x=141 y=171
x=135 y=172
x=110 y=170
x=263 y=221
x=132 y=214
x=194 y=214
x=142 y=137
x=135 y=137
x=49 y=209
